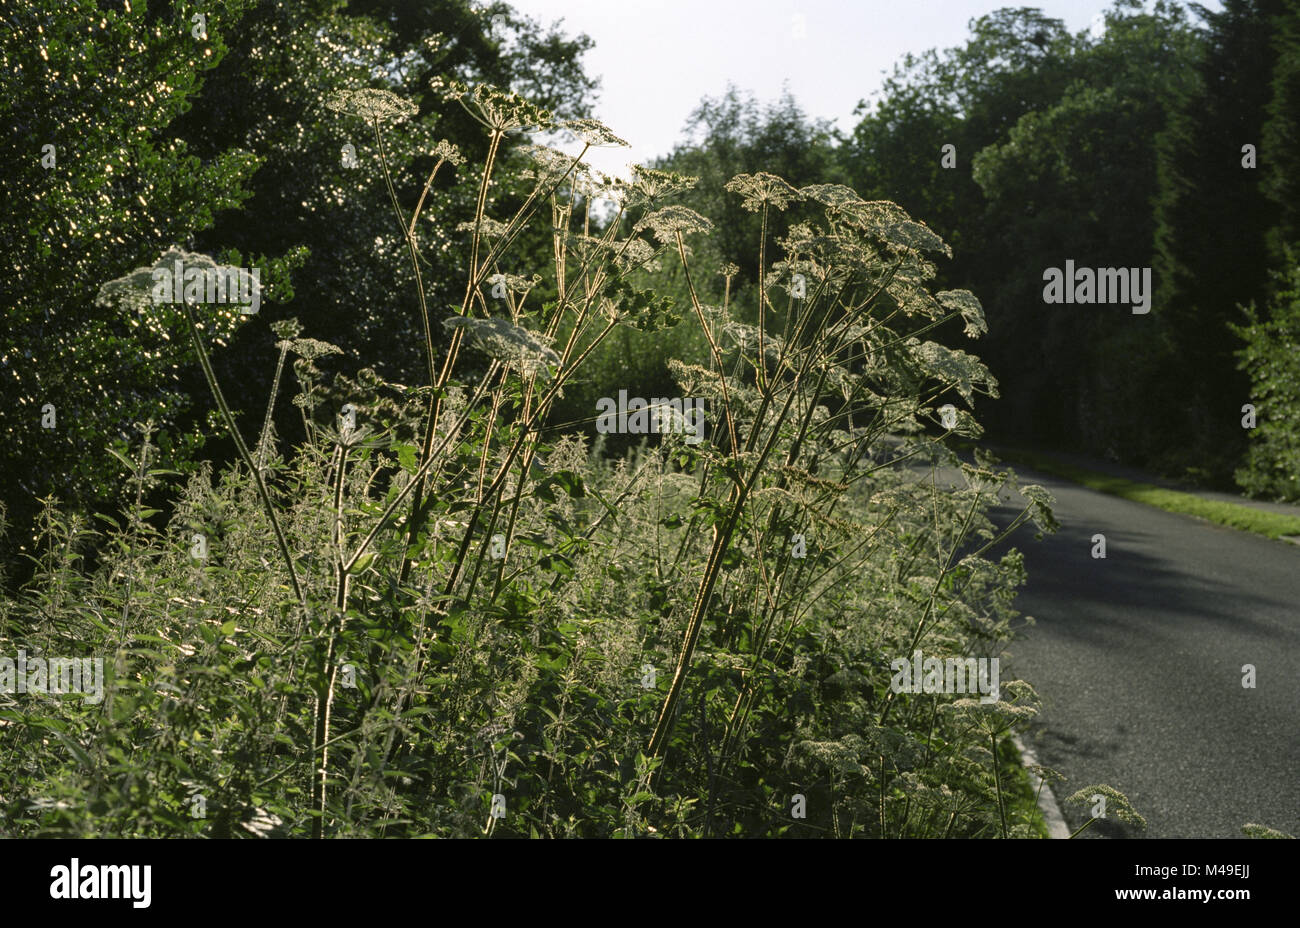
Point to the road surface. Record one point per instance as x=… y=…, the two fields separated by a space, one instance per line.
x=1138 y=659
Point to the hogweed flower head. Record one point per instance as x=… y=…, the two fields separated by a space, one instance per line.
x=594 y=132
x=372 y=105
x=637 y=253
x=597 y=185
x=488 y=227
x=1115 y=802
x=762 y=188
x=666 y=223
x=966 y=303
x=833 y=196
x=287 y=328
x=881 y=219
x=652 y=184
x=516 y=347
x=309 y=349
x=552 y=165
x=182 y=276
x=498 y=111
x=448 y=152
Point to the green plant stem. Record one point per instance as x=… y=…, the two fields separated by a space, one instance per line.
x=264 y=439
x=244 y=455
x=329 y=670
x=997 y=783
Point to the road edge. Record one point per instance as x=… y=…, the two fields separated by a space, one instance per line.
x=1056 y=827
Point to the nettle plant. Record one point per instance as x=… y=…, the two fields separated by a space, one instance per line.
x=441 y=614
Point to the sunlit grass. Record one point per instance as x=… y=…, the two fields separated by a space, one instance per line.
x=1233 y=515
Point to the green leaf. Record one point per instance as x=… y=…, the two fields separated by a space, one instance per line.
x=363 y=562
x=406 y=457
x=127 y=462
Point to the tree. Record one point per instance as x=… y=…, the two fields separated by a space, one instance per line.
x=1213 y=220
x=1280 y=139
x=355 y=289
x=1016 y=61
x=95 y=185
x=1051 y=139
x=733 y=135
x=1073 y=181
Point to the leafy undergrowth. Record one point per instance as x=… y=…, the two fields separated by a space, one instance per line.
x=435 y=614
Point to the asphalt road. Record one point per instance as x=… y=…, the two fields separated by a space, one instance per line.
x=1138 y=659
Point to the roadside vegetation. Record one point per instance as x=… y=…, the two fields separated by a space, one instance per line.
x=436 y=614
x=363 y=564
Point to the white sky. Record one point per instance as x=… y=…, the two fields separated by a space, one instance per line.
x=657 y=58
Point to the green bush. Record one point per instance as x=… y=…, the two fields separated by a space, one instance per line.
x=93 y=186
x=1272 y=359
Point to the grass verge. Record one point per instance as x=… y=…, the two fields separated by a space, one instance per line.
x=1246 y=518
